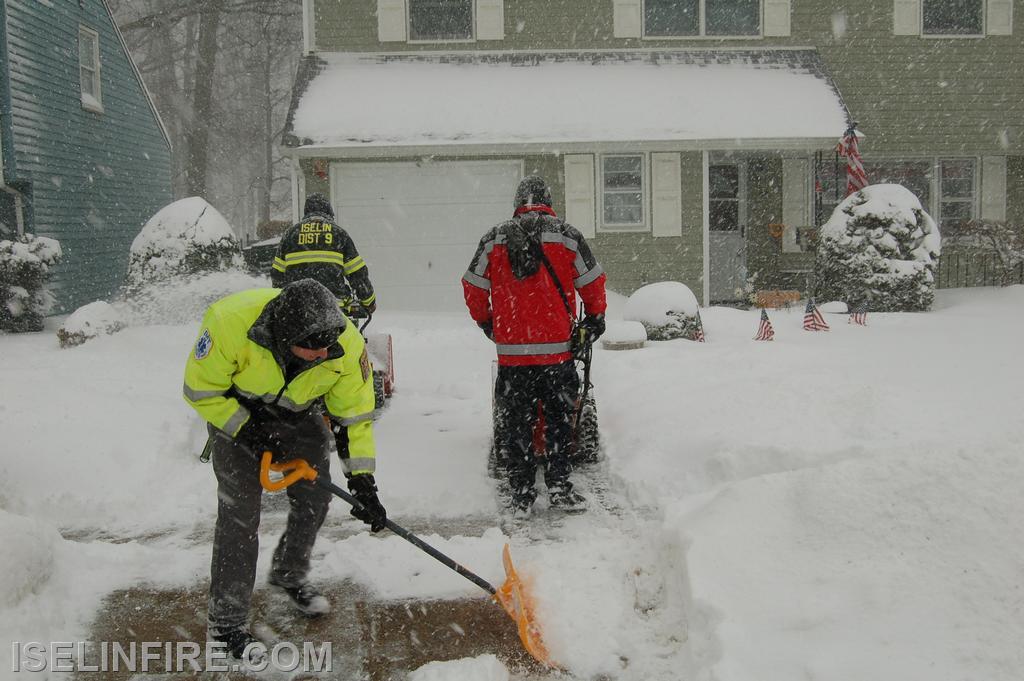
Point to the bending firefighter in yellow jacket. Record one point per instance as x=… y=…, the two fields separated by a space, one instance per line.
x=265 y=365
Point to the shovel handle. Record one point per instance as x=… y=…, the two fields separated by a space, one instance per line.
x=294 y=470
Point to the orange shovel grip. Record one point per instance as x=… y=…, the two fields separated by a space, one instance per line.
x=294 y=470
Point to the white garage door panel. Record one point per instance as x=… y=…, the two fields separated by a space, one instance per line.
x=418 y=225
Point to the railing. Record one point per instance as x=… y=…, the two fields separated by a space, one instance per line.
x=962 y=269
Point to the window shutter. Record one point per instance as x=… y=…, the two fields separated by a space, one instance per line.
x=391 y=20
x=628 y=18
x=993 y=188
x=795 y=172
x=666 y=195
x=776 y=17
x=906 y=17
x=580 y=200
x=999 y=17
x=490 y=19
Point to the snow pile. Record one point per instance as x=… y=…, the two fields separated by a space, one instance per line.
x=184 y=237
x=667 y=310
x=88 y=322
x=25 y=263
x=482 y=668
x=879 y=249
x=621 y=335
x=184 y=300
x=26 y=562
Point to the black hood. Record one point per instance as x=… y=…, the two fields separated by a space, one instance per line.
x=523 y=240
x=317 y=204
x=303 y=307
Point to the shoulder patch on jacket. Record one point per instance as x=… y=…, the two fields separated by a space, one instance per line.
x=204 y=345
x=364 y=365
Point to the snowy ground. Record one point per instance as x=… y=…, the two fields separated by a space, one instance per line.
x=841 y=505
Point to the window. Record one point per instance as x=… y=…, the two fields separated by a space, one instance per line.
x=89 y=68
x=946 y=187
x=622 y=191
x=440 y=19
x=674 y=18
x=724 y=197
x=952 y=17
x=956 y=192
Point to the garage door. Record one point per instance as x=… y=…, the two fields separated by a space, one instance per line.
x=418 y=224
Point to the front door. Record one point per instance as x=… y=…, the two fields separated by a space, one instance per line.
x=727 y=244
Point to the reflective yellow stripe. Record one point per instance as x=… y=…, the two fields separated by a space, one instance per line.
x=279 y=265
x=355 y=264
x=369 y=300
x=302 y=257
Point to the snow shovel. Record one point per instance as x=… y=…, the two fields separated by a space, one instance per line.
x=511 y=595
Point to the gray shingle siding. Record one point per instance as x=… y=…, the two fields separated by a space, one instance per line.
x=95 y=177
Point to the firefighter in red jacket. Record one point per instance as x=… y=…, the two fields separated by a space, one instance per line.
x=520 y=288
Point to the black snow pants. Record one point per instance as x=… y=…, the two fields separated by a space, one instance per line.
x=517 y=391
x=236 y=537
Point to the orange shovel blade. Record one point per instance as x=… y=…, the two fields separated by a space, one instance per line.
x=517 y=603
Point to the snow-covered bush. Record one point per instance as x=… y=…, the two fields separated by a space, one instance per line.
x=183 y=300
x=667 y=309
x=88 y=322
x=879 y=249
x=25 y=263
x=184 y=238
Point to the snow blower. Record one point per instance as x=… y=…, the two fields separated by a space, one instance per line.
x=512 y=595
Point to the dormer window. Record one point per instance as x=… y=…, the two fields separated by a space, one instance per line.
x=440 y=20
x=679 y=18
x=952 y=17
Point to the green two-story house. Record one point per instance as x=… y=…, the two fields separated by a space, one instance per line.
x=86 y=159
x=689 y=140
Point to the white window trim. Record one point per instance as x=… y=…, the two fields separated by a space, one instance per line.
x=434 y=41
x=702 y=35
x=92 y=103
x=645 y=194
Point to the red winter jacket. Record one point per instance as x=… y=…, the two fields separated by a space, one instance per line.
x=530 y=321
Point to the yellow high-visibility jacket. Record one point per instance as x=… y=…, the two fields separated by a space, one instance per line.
x=226 y=364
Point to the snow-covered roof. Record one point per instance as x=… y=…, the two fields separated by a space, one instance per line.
x=354 y=101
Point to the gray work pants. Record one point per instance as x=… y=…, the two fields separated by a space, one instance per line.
x=236 y=537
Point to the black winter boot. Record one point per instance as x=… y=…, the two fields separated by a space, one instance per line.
x=306 y=597
x=241 y=645
x=564 y=498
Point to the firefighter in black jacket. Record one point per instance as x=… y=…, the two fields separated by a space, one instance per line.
x=317 y=248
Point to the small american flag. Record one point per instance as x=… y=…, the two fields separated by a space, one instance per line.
x=813 y=321
x=859 y=316
x=765 y=331
x=856 y=178
x=698 y=335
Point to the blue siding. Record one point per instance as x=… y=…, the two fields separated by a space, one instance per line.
x=95 y=177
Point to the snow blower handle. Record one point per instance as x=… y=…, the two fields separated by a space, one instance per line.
x=298 y=469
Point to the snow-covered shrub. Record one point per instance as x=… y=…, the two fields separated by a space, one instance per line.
x=879 y=249
x=25 y=263
x=88 y=322
x=183 y=300
x=667 y=309
x=184 y=238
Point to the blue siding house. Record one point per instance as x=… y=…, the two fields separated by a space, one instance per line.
x=86 y=159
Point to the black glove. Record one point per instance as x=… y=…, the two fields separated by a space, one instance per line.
x=257 y=435
x=587 y=331
x=371 y=308
x=364 y=489
x=487 y=328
